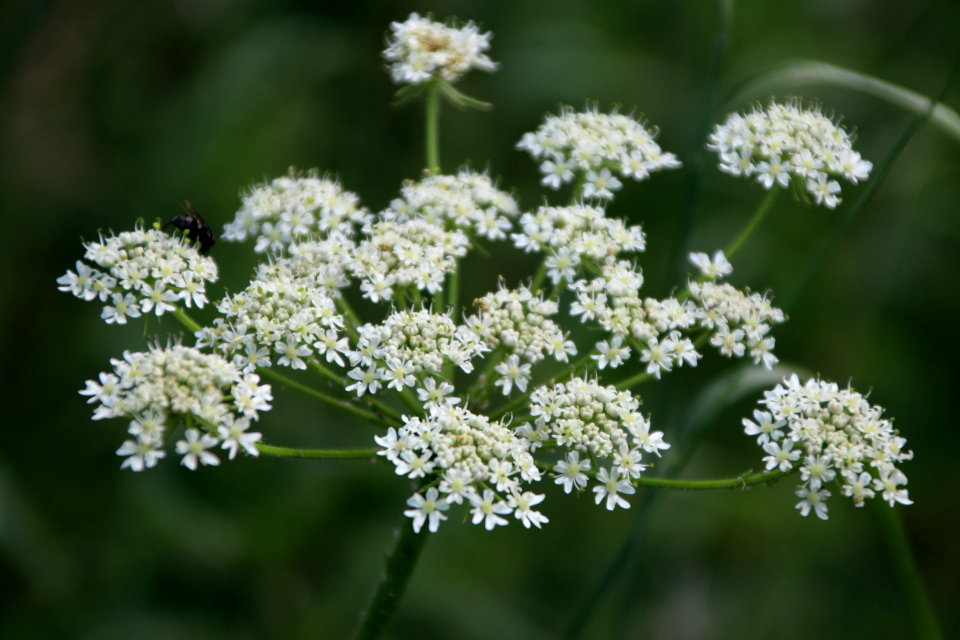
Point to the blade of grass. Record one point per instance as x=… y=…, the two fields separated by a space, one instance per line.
x=878 y=175
x=812 y=72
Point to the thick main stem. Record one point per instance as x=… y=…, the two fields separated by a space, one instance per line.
x=399 y=569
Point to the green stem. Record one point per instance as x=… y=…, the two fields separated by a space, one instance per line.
x=578 y=187
x=754 y=223
x=539 y=277
x=353 y=320
x=898 y=546
x=317 y=454
x=323 y=398
x=433 y=129
x=399 y=569
x=342 y=383
x=186 y=320
x=739 y=482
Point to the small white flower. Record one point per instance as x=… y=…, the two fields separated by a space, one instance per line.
x=427 y=509
x=513 y=374
x=810 y=499
x=610 y=487
x=489 y=510
x=194 y=450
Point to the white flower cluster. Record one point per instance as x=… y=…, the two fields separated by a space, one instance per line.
x=155 y=386
x=572 y=234
x=409 y=345
x=287 y=310
x=599 y=422
x=742 y=320
x=596 y=144
x=292 y=208
x=655 y=326
x=468 y=201
x=515 y=321
x=147 y=271
x=421 y=50
x=786 y=142
x=478 y=461
x=403 y=254
x=841 y=437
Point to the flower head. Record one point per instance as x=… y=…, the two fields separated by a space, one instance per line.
x=420 y=49
x=598 y=145
x=160 y=386
x=842 y=437
x=786 y=143
x=146 y=271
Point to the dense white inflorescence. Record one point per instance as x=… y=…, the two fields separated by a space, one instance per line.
x=161 y=386
x=421 y=50
x=833 y=434
x=786 y=143
x=147 y=271
x=596 y=146
x=446 y=362
x=296 y=208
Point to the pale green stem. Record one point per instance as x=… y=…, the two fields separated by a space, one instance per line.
x=539 y=277
x=740 y=482
x=578 y=187
x=323 y=398
x=353 y=320
x=342 y=383
x=186 y=320
x=433 y=129
x=754 y=223
x=317 y=454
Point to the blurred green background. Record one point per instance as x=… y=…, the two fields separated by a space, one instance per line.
x=107 y=108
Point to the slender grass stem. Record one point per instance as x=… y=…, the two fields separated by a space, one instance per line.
x=925 y=623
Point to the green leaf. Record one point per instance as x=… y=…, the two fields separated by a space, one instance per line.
x=811 y=72
x=461 y=100
x=408 y=92
x=730 y=387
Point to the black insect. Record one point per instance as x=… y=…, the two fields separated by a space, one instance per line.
x=193 y=226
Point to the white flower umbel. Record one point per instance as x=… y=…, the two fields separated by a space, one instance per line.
x=160 y=387
x=786 y=143
x=515 y=322
x=599 y=422
x=296 y=208
x=473 y=457
x=287 y=313
x=147 y=271
x=420 y=50
x=841 y=437
x=468 y=201
x=595 y=145
x=575 y=238
x=411 y=345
